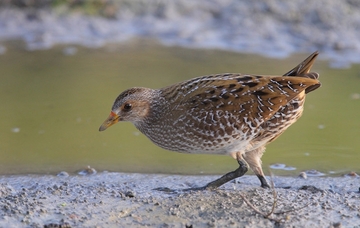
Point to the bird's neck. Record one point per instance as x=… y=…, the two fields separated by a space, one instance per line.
x=159 y=107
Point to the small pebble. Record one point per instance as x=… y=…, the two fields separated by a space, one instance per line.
x=303 y=175
x=336 y=225
x=130 y=194
x=88 y=171
x=55 y=225
x=311 y=188
x=62 y=174
x=351 y=174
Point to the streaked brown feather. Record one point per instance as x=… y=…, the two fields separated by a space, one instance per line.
x=254 y=96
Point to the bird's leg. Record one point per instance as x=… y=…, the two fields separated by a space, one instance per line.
x=253 y=158
x=243 y=168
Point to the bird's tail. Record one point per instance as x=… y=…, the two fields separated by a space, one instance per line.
x=303 y=70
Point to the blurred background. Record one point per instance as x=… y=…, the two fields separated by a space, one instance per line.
x=62 y=64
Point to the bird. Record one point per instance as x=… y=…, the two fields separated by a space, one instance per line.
x=230 y=114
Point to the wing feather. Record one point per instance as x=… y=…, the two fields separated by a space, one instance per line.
x=251 y=97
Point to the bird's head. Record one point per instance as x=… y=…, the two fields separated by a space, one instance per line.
x=132 y=105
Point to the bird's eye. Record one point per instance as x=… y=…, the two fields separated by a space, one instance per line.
x=127 y=107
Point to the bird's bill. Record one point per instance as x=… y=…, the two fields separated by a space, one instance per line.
x=111 y=120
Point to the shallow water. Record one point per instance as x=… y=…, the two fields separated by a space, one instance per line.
x=53 y=102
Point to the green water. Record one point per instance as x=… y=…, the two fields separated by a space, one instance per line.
x=52 y=106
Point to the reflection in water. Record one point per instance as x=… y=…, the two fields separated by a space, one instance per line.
x=54 y=101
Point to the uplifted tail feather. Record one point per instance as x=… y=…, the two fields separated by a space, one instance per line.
x=303 y=69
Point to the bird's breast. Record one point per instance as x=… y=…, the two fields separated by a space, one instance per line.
x=213 y=132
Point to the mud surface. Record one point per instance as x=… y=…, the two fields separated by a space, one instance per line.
x=128 y=200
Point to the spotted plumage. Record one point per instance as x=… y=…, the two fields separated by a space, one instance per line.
x=232 y=113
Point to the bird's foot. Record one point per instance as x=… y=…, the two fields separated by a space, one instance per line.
x=166 y=189
x=169 y=190
x=263 y=181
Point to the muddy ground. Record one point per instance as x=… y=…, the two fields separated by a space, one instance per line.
x=129 y=200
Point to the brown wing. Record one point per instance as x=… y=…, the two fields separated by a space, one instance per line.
x=256 y=98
